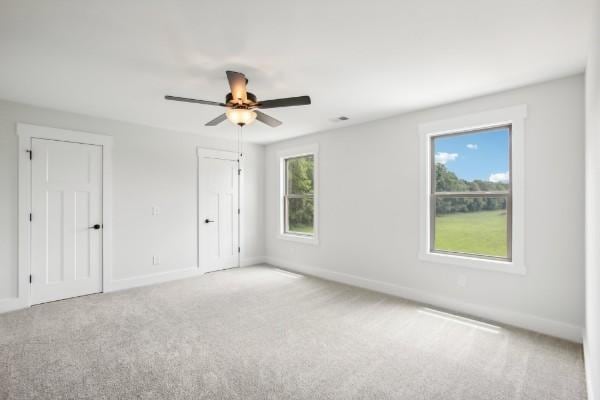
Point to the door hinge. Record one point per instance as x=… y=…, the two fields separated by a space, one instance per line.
x=30 y=278
x=30 y=217
x=239 y=172
x=30 y=154
x=239 y=250
x=238 y=211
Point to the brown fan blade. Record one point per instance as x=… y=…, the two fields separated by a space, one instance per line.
x=267 y=119
x=217 y=120
x=286 y=102
x=237 y=83
x=209 y=103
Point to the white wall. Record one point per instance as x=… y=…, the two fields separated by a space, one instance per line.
x=369 y=213
x=150 y=167
x=592 y=274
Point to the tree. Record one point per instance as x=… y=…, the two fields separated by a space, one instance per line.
x=447 y=181
x=300 y=182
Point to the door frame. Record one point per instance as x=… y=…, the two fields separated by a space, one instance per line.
x=221 y=155
x=26 y=133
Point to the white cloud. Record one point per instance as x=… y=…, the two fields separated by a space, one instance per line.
x=499 y=177
x=472 y=146
x=443 y=158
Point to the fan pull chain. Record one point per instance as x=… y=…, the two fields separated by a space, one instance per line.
x=240 y=142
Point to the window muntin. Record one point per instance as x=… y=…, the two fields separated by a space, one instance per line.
x=299 y=195
x=470 y=200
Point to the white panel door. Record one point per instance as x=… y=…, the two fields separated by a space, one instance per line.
x=218 y=210
x=66 y=234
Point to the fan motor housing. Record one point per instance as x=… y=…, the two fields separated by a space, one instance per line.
x=250 y=96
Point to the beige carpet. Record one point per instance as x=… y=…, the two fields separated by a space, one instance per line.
x=260 y=333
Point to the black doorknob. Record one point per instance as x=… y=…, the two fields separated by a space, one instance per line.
x=97 y=226
x=207 y=221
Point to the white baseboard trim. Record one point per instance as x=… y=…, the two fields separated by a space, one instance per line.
x=589 y=376
x=526 y=321
x=152 y=279
x=250 y=261
x=12 y=304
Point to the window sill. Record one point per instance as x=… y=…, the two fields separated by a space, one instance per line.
x=509 y=267
x=299 y=238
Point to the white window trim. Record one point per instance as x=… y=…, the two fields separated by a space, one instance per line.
x=282 y=156
x=512 y=115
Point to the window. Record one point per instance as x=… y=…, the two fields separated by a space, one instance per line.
x=471 y=193
x=472 y=196
x=298 y=211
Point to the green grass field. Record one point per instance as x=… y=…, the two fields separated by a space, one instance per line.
x=299 y=228
x=482 y=232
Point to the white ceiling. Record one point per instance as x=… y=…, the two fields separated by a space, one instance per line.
x=365 y=59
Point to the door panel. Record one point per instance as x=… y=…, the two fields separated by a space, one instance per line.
x=82 y=235
x=66 y=202
x=218 y=203
x=227 y=230
x=55 y=239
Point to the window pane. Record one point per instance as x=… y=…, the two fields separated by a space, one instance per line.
x=301 y=215
x=476 y=161
x=300 y=175
x=472 y=225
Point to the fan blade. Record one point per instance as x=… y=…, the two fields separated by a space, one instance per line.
x=287 y=102
x=237 y=83
x=209 y=103
x=217 y=120
x=267 y=119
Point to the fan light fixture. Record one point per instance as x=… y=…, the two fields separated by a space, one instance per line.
x=241 y=116
x=242 y=107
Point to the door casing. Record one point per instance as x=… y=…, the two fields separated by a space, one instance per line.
x=26 y=133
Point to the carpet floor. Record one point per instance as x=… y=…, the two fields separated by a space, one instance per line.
x=262 y=333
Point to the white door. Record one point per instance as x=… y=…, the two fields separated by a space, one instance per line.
x=218 y=209
x=66 y=226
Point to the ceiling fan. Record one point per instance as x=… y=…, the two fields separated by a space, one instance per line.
x=242 y=106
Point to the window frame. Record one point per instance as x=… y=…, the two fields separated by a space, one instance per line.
x=513 y=116
x=287 y=196
x=434 y=195
x=284 y=156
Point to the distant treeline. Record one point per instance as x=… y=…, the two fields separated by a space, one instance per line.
x=447 y=181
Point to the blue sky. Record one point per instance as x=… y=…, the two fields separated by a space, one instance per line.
x=482 y=155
